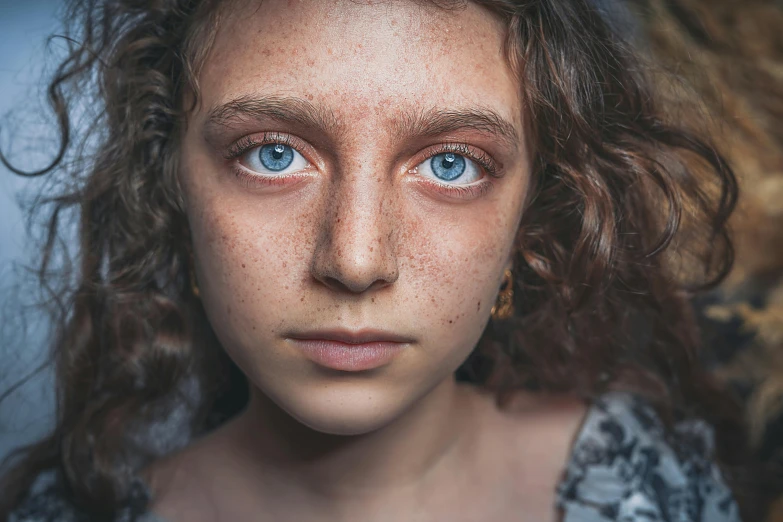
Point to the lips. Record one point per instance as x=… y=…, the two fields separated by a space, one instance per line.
x=353 y=337
x=350 y=351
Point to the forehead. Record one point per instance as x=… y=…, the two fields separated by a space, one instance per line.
x=362 y=59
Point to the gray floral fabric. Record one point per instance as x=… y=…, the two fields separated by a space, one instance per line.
x=622 y=468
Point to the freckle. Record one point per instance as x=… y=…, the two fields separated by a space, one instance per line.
x=373 y=299
x=243 y=265
x=254 y=328
x=302 y=299
x=450 y=321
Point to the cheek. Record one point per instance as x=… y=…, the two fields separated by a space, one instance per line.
x=255 y=255
x=455 y=262
x=253 y=263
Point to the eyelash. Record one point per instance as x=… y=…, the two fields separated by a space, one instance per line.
x=243 y=145
x=247 y=143
x=463 y=149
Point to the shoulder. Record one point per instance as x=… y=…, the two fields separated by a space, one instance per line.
x=625 y=466
x=49 y=501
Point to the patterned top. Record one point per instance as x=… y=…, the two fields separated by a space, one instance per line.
x=621 y=469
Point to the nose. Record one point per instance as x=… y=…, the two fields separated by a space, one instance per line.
x=355 y=251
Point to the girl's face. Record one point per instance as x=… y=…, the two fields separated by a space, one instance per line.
x=355 y=172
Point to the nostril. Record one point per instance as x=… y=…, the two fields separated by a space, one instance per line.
x=336 y=284
x=355 y=255
x=354 y=286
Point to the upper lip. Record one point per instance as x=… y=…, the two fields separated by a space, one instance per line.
x=365 y=335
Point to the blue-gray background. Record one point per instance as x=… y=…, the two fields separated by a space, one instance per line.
x=24 y=57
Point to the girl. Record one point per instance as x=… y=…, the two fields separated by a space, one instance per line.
x=379 y=261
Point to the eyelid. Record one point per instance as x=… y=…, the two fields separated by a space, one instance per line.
x=484 y=161
x=480 y=157
x=458 y=192
x=249 y=142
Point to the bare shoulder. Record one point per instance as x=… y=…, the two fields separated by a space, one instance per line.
x=183 y=485
x=562 y=413
x=537 y=418
x=542 y=429
x=173 y=482
x=545 y=424
x=529 y=440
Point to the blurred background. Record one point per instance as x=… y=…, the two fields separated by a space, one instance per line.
x=24 y=29
x=718 y=63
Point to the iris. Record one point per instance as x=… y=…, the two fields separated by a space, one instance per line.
x=448 y=166
x=276 y=156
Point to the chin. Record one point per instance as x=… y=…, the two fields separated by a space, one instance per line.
x=337 y=410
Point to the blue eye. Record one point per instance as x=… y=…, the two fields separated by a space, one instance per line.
x=274 y=158
x=450 y=167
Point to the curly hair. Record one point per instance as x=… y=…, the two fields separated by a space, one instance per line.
x=731 y=55
x=626 y=219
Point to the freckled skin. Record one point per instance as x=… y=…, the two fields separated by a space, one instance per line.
x=358 y=242
x=406 y=260
x=361 y=240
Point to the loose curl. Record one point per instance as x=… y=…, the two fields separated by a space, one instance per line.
x=626 y=219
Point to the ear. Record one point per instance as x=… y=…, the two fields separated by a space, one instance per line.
x=509 y=262
x=508 y=267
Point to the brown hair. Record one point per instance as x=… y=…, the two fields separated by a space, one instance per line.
x=627 y=218
x=729 y=57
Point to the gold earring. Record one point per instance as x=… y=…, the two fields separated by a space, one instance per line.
x=192 y=272
x=504 y=307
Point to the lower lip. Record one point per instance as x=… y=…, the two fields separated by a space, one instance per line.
x=349 y=357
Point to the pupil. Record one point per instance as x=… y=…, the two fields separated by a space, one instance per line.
x=448 y=166
x=276 y=157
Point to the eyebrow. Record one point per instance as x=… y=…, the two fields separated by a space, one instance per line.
x=429 y=122
x=284 y=109
x=434 y=122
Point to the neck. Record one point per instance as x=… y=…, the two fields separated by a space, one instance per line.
x=401 y=456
